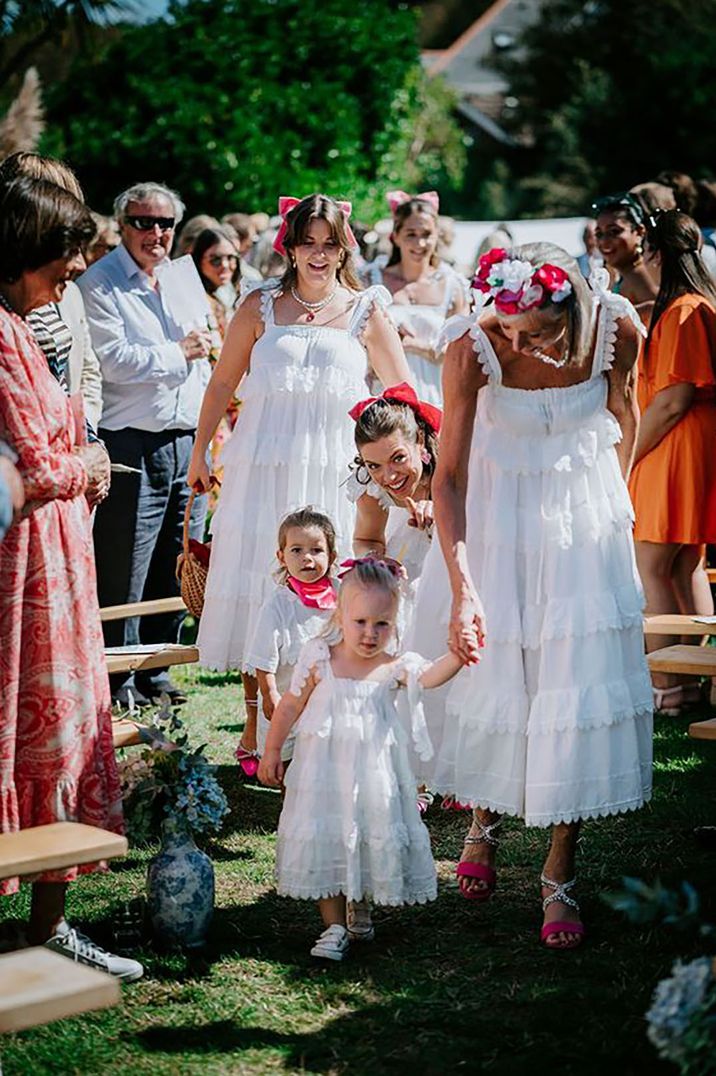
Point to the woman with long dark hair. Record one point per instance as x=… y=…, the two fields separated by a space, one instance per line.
x=308 y=339
x=620 y=232
x=673 y=485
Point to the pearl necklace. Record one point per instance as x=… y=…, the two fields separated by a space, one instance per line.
x=313 y=308
x=543 y=357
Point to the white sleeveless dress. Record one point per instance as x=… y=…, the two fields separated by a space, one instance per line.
x=425 y=322
x=555 y=723
x=350 y=822
x=291 y=447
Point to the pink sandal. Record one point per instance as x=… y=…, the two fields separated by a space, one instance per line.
x=247 y=760
x=480 y=871
x=449 y=803
x=560 y=926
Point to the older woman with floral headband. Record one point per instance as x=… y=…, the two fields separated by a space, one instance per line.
x=304 y=343
x=551 y=722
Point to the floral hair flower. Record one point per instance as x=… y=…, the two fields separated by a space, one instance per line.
x=516 y=286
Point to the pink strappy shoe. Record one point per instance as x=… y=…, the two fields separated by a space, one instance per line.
x=479 y=871
x=560 y=926
x=247 y=760
x=449 y=803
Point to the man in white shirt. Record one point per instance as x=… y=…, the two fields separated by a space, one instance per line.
x=147 y=318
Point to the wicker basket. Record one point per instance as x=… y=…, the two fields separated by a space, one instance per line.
x=193 y=566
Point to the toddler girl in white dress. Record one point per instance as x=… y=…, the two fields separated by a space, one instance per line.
x=295 y=612
x=350 y=831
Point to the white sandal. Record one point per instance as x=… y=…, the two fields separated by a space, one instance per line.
x=669 y=700
x=359 y=921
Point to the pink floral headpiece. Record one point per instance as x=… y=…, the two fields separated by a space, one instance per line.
x=516 y=286
x=397 y=198
x=286 y=204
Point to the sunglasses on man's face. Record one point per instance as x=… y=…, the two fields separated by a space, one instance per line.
x=146 y=224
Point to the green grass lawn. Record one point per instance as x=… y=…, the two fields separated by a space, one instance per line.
x=450 y=987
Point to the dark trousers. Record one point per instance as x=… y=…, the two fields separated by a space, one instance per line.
x=138 y=532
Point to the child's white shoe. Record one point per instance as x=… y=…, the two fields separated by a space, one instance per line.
x=332 y=944
x=359 y=921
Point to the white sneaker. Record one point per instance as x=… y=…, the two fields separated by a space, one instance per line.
x=332 y=944
x=359 y=921
x=78 y=947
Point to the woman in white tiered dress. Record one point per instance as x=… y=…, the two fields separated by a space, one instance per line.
x=424 y=290
x=553 y=724
x=306 y=341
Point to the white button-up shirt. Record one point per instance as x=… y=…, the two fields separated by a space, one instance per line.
x=135 y=329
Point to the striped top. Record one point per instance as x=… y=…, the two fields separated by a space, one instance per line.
x=54 y=338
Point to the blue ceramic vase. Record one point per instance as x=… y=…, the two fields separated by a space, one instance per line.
x=180 y=889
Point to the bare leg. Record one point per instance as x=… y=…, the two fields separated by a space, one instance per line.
x=655 y=563
x=484 y=852
x=559 y=867
x=333 y=911
x=251 y=700
x=691 y=583
x=47 y=910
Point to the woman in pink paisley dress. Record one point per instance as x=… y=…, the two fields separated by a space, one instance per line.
x=56 y=755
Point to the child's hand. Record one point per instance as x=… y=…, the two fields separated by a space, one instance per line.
x=271 y=769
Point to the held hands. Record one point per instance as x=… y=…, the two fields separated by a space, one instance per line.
x=466 y=635
x=421 y=514
x=271 y=769
x=196 y=344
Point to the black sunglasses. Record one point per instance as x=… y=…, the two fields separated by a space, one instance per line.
x=217 y=260
x=146 y=224
x=614 y=201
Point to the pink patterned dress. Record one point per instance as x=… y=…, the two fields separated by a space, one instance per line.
x=56 y=756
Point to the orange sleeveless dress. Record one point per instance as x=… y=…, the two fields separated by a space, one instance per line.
x=673 y=487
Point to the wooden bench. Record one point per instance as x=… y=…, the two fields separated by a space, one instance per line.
x=703 y=730
x=675 y=624
x=687 y=660
x=164 y=654
x=37 y=985
x=148 y=608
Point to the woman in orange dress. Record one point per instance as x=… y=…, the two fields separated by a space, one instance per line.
x=673 y=485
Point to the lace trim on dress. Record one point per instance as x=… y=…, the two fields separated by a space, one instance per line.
x=613 y=308
x=313 y=659
x=412 y=666
x=374 y=296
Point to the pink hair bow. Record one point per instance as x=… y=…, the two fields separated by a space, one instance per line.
x=398 y=198
x=286 y=203
x=394 y=566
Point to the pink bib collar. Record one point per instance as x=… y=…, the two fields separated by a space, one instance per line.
x=318 y=595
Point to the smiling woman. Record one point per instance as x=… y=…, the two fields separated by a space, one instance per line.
x=303 y=344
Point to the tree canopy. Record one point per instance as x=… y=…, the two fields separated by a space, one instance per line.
x=233 y=102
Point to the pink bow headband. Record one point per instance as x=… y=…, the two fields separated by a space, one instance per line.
x=397 y=198
x=394 y=566
x=286 y=204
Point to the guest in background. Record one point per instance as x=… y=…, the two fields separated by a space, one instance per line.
x=673 y=485
x=107 y=238
x=620 y=232
x=591 y=259
x=57 y=758
x=246 y=233
x=148 y=320
x=192 y=228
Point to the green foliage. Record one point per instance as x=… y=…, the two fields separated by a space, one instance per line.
x=641 y=903
x=234 y=102
x=611 y=92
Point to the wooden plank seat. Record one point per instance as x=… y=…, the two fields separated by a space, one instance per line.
x=56 y=846
x=711 y=573
x=703 y=730
x=128 y=659
x=148 y=608
x=37 y=986
x=675 y=624
x=688 y=660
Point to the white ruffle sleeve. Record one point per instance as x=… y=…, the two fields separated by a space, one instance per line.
x=410 y=703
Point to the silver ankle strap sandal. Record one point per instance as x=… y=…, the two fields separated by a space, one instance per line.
x=485 y=833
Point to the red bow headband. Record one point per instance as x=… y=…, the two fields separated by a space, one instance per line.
x=286 y=204
x=394 y=566
x=405 y=394
x=397 y=198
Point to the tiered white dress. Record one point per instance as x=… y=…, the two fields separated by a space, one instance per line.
x=426 y=323
x=350 y=821
x=291 y=447
x=283 y=627
x=555 y=723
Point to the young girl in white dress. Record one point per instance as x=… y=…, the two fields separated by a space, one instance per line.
x=424 y=290
x=295 y=611
x=350 y=830
x=304 y=344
